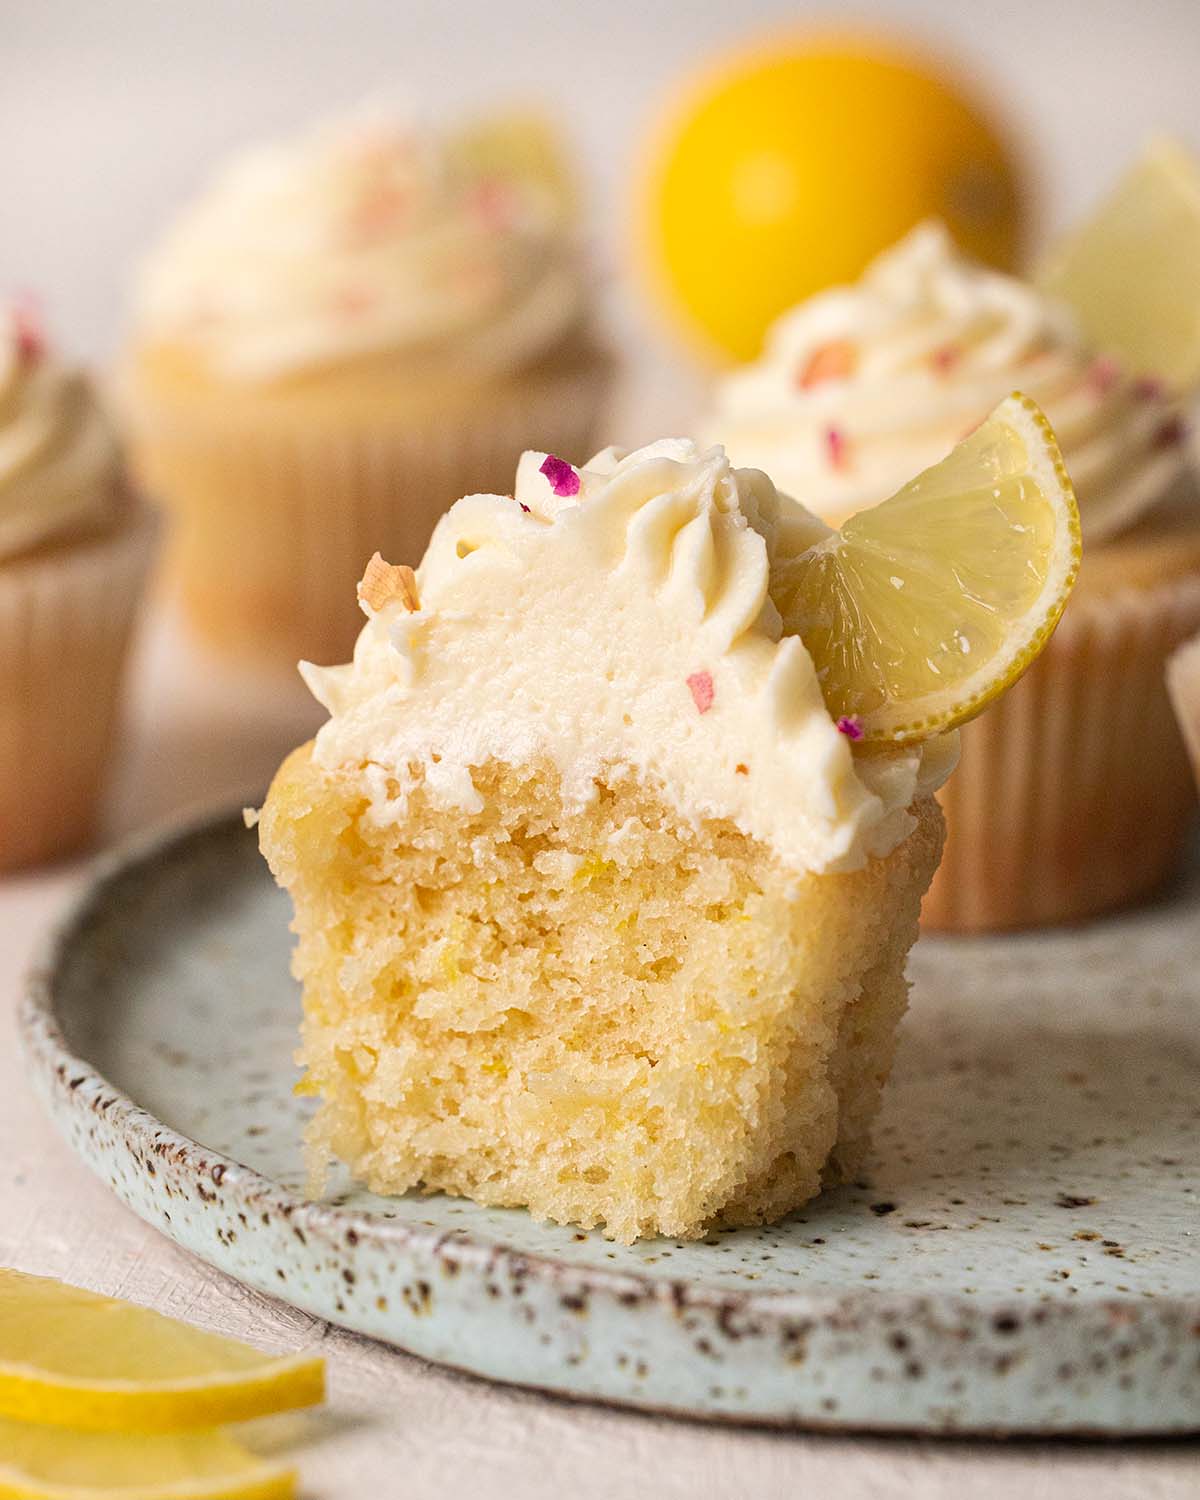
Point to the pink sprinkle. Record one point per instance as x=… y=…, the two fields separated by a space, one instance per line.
x=700 y=684
x=851 y=726
x=493 y=203
x=353 y=301
x=27 y=330
x=1103 y=373
x=1149 y=388
x=1172 y=432
x=835 y=441
x=945 y=358
x=379 y=211
x=563 y=478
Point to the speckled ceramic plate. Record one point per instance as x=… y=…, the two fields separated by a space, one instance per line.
x=1024 y=1255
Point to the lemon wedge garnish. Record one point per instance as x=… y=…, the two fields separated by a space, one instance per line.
x=923 y=609
x=1131 y=273
x=40 y=1463
x=70 y=1358
x=518 y=146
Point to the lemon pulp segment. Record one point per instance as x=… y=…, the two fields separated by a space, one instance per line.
x=1131 y=273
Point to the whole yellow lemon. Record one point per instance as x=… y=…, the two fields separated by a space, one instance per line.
x=787 y=169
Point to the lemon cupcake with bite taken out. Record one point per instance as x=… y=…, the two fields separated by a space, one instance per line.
x=1074 y=795
x=346 y=332
x=607 y=862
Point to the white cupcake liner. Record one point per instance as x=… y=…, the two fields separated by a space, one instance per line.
x=1073 y=795
x=1183 y=683
x=66 y=617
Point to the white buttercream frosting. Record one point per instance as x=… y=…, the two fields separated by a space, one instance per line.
x=629 y=624
x=862 y=387
x=59 y=459
x=363 y=237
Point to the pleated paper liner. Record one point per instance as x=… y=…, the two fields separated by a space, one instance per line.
x=274 y=522
x=1074 y=795
x=66 y=619
x=1183 y=682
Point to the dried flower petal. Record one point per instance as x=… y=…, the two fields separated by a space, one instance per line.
x=851 y=726
x=700 y=685
x=384 y=583
x=353 y=301
x=1103 y=373
x=379 y=211
x=742 y=768
x=28 y=334
x=493 y=202
x=944 y=359
x=1172 y=432
x=564 y=480
x=832 y=361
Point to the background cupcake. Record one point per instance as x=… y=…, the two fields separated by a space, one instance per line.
x=74 y=549
x=1073 y=796
x=345 y=333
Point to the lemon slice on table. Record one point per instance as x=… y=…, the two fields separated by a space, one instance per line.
x=1132 y=272
x=923 y=609
x=41 y=1463
x=70 y=1358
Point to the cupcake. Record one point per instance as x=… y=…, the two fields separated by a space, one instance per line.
x=1073 y=796
x=602 y=908
x=344 y=334
x=74 y=551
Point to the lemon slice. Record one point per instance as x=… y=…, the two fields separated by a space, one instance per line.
x=521 y=146
x=70 y=1358
x=39 y=1463
x=1132 y=272
x=923 y=609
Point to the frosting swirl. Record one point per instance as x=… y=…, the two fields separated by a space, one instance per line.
x=366 y=237
x=59 y=460
x=861 y=387
x=620 y=615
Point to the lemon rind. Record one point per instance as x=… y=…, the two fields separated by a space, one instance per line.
x=186 y=1403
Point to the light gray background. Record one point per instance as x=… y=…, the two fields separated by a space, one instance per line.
x=112 y=111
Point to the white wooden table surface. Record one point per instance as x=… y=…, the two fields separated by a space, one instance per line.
x=396 y=1426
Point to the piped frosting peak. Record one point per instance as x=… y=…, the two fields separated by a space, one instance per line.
x=623 y=622
x=863 y=386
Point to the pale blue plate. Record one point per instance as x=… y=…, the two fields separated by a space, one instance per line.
x=1022 y=1256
